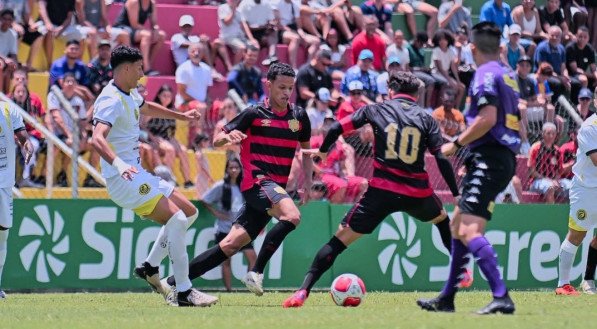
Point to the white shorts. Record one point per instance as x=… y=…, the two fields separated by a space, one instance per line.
x=583 y=209
x=6 y=207
x=141 y=194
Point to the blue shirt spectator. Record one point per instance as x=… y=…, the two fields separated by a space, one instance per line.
x=552 y=54
x=498 y=12
x=367 y=78
x=383 y=13
x=70 y=62
x=245 y=78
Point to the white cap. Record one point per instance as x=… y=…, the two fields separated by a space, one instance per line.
x=323 y=94
x=514 y=29
x=186 y=20
x=355 y=85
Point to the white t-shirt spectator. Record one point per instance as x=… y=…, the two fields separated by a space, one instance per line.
x=197 y=78
x=445 y=58
x=78 y=106
x=289 y=11
x=234 y=29
x=8 y=43
x=402 y=54
x=256 y=15
x=181 y=54
x=317 y=117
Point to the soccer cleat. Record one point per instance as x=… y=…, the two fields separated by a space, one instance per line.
x=466 y=279
x=2 y=295
x=567 y=290
x=194 y=297
x=503 y=305
x=152 y=276
x=437 y=304
x=588 y=287
x=254 y=282
x=297 y=299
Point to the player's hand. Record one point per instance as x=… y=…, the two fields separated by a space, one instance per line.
x=236 y=136
x=129 y=173
x=28 y=148
x=449 y=149
x=192 y=115
x=315 y=153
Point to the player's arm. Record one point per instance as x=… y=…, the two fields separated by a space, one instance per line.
x=156 y=110
x=100 y=144
x=234 y=131
x=484 y=121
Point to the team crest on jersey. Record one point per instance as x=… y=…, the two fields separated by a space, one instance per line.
x=144 y=189
x=581 y=214
x=266 y=122
x=294 y=125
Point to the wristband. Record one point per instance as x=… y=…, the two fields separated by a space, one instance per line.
x=120 y=165
x=458 y=145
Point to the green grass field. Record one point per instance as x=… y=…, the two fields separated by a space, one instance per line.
x=242 y=310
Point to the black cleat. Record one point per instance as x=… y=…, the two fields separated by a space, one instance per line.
x=151 y=275
x=503 y=305
x=437 y=304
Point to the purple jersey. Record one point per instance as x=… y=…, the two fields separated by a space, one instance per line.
x=493 y=85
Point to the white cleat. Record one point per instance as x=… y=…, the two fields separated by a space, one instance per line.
x=588 y=287
x=170 y=292
x=254 y=282
x=196 y=298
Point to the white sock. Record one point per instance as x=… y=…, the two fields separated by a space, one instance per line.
x=3 y=246
x=177 y=250
x=567 y=254
x=159 y=251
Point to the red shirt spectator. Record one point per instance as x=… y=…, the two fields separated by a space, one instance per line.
x=546 y=161
x=568 y=153
x=369 y=39
x=32 y=104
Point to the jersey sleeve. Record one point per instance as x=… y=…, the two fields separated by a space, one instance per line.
x=434 y=138
x=106 y=110
x=241 y=122
x=139 y=100
x=587 y=139
x=356 y=120
x=15 y=119
x=486 y=93
x=305 y=132
x=214 y=194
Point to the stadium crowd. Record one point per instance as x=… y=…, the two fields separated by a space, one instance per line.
x=341 y=52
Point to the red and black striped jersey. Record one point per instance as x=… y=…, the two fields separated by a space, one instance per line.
x=403 y=132
x=272 y=140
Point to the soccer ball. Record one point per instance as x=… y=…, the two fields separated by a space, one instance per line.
x=348 y=290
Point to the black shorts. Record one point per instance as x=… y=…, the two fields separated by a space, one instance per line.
x=258 y=200
x=377 y=204
x=221 y=235
x=489 y=170
x=29 y=37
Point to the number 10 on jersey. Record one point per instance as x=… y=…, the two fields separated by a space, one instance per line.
x=408 y=149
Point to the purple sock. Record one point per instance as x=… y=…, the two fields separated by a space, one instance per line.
x=487 y=261
x=457 y=263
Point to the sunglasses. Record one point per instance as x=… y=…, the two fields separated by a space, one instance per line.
x=356 y=93
x=585 y=99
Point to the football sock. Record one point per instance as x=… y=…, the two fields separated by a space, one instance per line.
x=444 y=231
x=591 y=264
x=457 y=264
x=272 y=241
x=323 y=261
x=567 y=254
x=487 y=261
x=159 y=249
x=208 y=260
x=3 y=246
x=176 y=229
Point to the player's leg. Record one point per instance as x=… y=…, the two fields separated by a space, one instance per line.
x=5 y=224
x=567 y=254
x=588 y=283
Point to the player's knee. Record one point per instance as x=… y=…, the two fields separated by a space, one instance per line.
x=293 y=216
x=231 y=246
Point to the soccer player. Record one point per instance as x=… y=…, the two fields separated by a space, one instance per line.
x=493 y=140
x=403 y=132
x=269 y=133
x=11 y=125
x=116 y=138
x=583 y=210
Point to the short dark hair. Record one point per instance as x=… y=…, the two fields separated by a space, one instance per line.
x=323 y=53
x=69 y=75
x=277 y=69
x=486 y=37
x=582 y=28
x=73 y=42
x=422 y=37
x=7 y=11
x=404 y=82
x=124 y=54
x=252 y=47
x=443 y=34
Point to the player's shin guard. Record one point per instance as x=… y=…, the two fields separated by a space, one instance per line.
x=567 y=254
x=457 y=264
x=591 y=264
x=176 y=229
x=159 y=249
x=487 y=261
x=323 y=261
x=3 y=247
x=272 y=241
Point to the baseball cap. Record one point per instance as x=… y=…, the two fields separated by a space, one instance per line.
x=524 y=58
x=393 y=60
x=585 y=93
x=366 y=54
x=186 y=20
x=323 y=94
x=514 y=29
x=104 y=42
x=355 y=85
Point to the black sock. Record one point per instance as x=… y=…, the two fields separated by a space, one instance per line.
x=444 y=231
x=199 y=265
x=150 y=270
x=272 y=241
x=591 y=264
x=322 y=262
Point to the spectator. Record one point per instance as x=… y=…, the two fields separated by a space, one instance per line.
x=56 y=20
x=193 y=80
x=354 y=102
x=568 y=153
x=451 y=121
x=132 y=18
x=318 y=109
x=408 y=7
x=229 y=111
x=466 y=61
x=33 y=106
x=393 y=64
x=224 y=200
x=584 y=103
x=452 y=15
x=512 y=50
x=399 y=49
x=338 y=54
x=592 y=21
x=25 y=31
x=63 y=125
x=347 y=18
x=8 y=49
x=545 y=167
x=204 y=179
x=180 y=41
x=527 y=17
x=420 y=70
x=496 y=11
x=93 y=15
x=575 y=14
x=99 y=71
x=245 y=78
x=383 y=12
x=443 y=63
x=551 y=15
x=364 y=73
x=162 y=133
x=312 y=76
x=71 y=63
x=580 y=60
x=232 y=33
x=258 y=15
x=370 y=40
x=552 y=52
